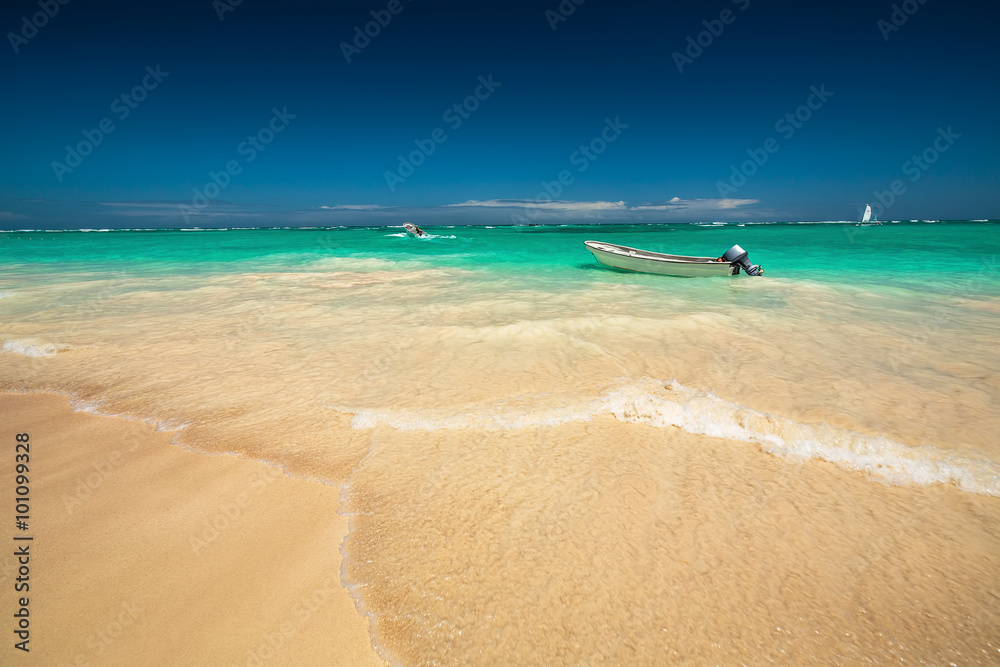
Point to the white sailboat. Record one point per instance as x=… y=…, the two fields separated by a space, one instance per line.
x=870 y=217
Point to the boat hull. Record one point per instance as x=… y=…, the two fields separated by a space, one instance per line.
x=645 y=261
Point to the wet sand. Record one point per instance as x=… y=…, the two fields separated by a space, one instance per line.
x=656 y=546
x=146 y=553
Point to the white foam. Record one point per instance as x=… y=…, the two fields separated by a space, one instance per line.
x=33 y=348
x=96 y=409
x=670 y=404
x=703 y=413
x=426 y=235
x=4 y=295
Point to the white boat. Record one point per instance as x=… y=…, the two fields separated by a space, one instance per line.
x=867 y=218
x=647 y=261
x=413 y=229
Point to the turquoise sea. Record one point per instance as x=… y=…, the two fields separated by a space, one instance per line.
x=545 y=459
x=920 y=255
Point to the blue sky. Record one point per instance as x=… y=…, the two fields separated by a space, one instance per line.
x=266 y=113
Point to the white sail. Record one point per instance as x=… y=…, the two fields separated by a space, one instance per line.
x=868 y=213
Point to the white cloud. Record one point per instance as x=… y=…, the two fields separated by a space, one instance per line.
x=697 y=204
x=676 y=203
x=556 y=205
x=141 y=204
x=354 y=207
x=472 y=212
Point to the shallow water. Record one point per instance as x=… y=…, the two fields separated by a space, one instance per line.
x=548 y=462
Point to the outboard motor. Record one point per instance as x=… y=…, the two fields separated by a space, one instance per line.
x=739 y=255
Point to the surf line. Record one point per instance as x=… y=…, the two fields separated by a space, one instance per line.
x=670 y=404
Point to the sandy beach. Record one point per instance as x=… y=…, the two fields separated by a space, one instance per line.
x=548 y=467
x=145 y=553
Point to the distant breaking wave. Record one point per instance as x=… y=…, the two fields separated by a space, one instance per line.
x=32 y=348
x=663 y=404
x=427 y=235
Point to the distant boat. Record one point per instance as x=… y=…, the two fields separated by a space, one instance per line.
x=870 y=217
x=413 y=229
x=646 y=261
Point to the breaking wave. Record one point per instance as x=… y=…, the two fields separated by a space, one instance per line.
x=670 y=404
x=33 y=348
